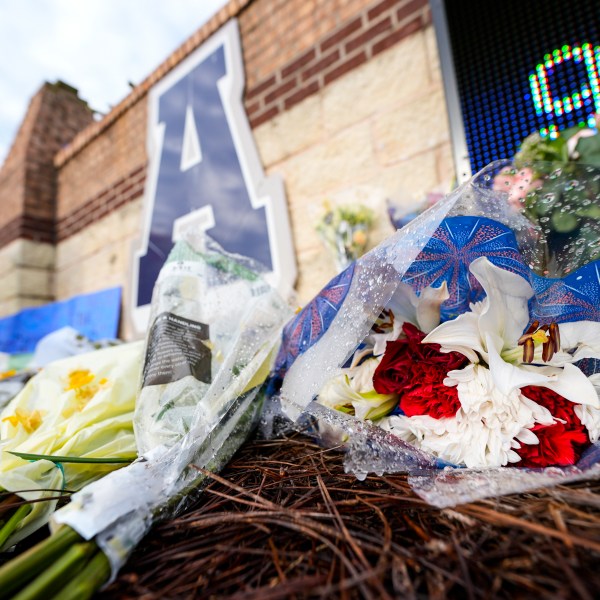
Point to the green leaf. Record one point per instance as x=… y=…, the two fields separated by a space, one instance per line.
x=71 y=459
x=9 y=527
x=591 y=212
x=541 y=202
x=168 y=406
x=564 y=222
x=568 y=133
x=589 y=150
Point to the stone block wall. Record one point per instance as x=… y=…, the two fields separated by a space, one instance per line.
x=345 y=100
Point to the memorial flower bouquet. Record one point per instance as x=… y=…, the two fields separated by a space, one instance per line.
x=446 y=352
x=214 y=325
x=344 y=230
x=485 y=389
x=70 y=425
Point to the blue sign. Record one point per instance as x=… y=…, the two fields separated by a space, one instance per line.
x=94 y=315
x=205 y=171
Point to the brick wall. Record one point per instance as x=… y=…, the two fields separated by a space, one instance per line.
x=284 y=64
x=28 y=190
x=345 y=100
x=280 y=37
x=314 y=44
x=90 y=177
x=111 y=198
x=28 y=175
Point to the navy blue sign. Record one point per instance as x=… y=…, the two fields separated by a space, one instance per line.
x=205 y=171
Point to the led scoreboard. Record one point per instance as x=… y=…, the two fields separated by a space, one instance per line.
x=513 y=67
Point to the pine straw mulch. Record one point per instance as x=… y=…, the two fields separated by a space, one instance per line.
x=285 y=521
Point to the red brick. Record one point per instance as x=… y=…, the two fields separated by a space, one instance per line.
x=260 y=88
x=297 y=64
x=380 y=8
x=281 y=90
x=342 y=69
x=298 y=96
x=398 y=35
x=361 y=40
x=341 y=34
x=264 y=117
x=406 y=10
x=321 y=65
x=252 y=108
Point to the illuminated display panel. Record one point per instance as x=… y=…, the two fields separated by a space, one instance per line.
x=523 y=66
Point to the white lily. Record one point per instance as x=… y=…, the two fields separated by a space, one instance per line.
x=352 y=392
x=581 y=339
x=490 y=333
x=422 y=311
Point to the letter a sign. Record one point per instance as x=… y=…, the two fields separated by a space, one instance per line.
x=205 y=172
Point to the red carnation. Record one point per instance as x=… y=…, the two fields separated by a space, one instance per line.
x=561 y=444
x=416 y=372
x=434 y=399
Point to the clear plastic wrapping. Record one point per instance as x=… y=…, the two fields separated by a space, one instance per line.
x=214 y=326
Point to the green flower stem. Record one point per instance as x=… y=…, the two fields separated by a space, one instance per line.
x=51 y=579
x=71 y=459
x=31 y=565
x=12 y=523
x=24 y=568
x=88 y=581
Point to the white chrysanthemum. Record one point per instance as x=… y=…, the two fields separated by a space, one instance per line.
x=589 y=415
x=486 y=429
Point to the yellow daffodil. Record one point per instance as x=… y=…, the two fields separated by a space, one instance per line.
x=30 y=420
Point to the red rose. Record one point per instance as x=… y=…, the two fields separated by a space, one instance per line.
x=561 y=444
x=415 y=372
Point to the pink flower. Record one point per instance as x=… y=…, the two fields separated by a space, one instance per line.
x=517 y=184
